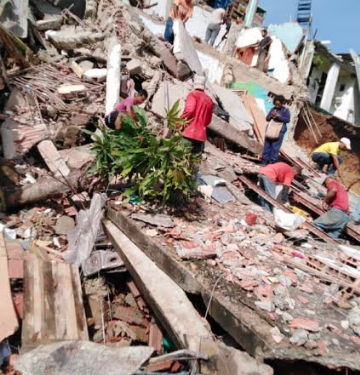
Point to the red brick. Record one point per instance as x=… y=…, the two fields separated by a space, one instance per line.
x=133 y=289
x=128 y=315
x=155 y=337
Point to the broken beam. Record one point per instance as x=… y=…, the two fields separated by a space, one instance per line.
x=311 y=228
x=178 y=316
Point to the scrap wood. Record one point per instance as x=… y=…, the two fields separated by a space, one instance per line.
x=53 y=305
x=8 y=319
x=258 y=116
x=321 y=275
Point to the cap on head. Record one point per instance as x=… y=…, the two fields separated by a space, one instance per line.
x=346 y=142
x=199 y=82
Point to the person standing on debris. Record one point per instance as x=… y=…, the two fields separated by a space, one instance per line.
x=336 y=202
x=181 y=9
x=264 y=47
x=214 y=26
x=114 y=119
x=278 y=173
x=277 y=119
x=198 y=111
x=328 y=155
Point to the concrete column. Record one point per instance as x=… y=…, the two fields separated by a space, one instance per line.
x=250 y=13
x=330 y=86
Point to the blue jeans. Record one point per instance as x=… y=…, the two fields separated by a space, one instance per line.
x=356 y=213
x=272 y=148
x=169 y=33
x=332 y=222
x=323 y=158
x=270 y=188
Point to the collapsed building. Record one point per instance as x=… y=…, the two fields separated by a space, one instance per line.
x=224 y=288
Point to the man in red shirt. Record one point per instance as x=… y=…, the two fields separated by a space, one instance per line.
x=278 y=173
x=198 y=111
x=336 y=201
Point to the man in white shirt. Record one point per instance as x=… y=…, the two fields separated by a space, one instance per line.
x=215 y=22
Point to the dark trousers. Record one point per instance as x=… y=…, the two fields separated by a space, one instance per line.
x=270 y=188
x=169 y=32
x=272 y=148
x=197 y=146
x=323 y=158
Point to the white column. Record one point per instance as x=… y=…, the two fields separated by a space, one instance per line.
x=113 y=75
x=330 y=86
x=250 y=12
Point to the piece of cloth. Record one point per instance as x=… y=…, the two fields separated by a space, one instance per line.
x=329 y=148
x=279 y=173
x=169 y=32
x=212 y=32
x=217 y=16
x=341 y=200
x=272 y=147
x=198 y=110
x=197 y=146
x=269 y=187
x=332 y=222
x=183 y=11
x=128 y=102
x=322 y=159
x=356 y=213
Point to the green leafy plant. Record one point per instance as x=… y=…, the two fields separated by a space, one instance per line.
x=161 y=169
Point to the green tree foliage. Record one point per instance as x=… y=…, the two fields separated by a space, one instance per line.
x=162 y=169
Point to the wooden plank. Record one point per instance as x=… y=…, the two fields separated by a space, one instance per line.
x=258 y=116
x=8 y=319
x=53 y=308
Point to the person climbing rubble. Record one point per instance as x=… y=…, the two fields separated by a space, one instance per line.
x=198 y=111
x=278 y=173
x=336 y=202
x=277 y=119
x=328 y=155
x=114 y=119
x=216 y=20
x=181 y=9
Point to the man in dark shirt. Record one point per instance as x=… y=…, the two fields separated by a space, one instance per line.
x=264 y=47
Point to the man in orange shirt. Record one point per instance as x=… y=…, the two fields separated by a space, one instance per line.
x=181 y=9
x=277 y=173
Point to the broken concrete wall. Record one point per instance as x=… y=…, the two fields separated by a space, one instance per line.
x=290 y=33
